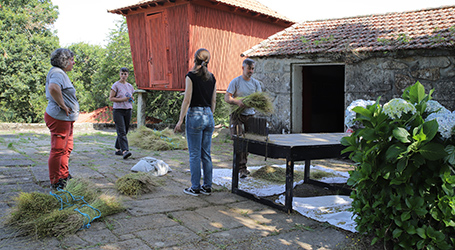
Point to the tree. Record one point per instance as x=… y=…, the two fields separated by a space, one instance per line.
x=87 y=65
x=117 y=55
x=27 y=42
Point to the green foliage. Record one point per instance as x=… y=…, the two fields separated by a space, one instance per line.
x=26 y=44
x=116 y=55
x=404 y=179
x=164 y=105
x=87 y=60
x=222 y=110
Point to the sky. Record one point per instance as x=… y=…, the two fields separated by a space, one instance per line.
x=88 y=20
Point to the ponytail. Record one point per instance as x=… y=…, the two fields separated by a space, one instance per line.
x=201 y=59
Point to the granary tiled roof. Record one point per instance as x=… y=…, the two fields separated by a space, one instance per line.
x=422 y=29
x=248 y=5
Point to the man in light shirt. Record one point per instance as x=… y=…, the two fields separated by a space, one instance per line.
x=242 y=86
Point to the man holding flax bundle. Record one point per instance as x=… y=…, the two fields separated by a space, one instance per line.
x=239 y=87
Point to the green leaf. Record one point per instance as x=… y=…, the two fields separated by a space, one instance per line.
x=347 y=141
x=418 y=160
x=363 y=111
x=397 y=232
x=430 y=129
x=402 y=163
x=394 y=151
x=435 y=234
x=433 y=151
x=421 y=244
x=414 y=93
x=448 y=189
x=401 y=135
x=450 y=150
x=368 y=134
x=411 y=230
x=419 y=135
x=375 y=239
x=406 y=216
x=421 y=232
x=421 y=211
x=409 y=190
x=398 y=222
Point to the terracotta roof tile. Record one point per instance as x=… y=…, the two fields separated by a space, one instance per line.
x=422 y=29
x=250 y=5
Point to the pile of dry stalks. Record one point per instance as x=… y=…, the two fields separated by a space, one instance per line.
x=135 y=184
x=43 y=215
x=260 y=101
x=278 y=175
x=166 y=139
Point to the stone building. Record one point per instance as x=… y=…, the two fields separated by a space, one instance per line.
x=313 y=70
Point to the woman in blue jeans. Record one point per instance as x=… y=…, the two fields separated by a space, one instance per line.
x=198 y=105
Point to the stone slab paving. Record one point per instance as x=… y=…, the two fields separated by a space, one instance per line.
x=163 y=219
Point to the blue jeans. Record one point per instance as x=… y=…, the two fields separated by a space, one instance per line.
x=122 y=118
x=199 y=129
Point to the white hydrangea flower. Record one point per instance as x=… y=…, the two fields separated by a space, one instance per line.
x=397 y=107
x=446 y=122
x=435 y=107
x=350 y=115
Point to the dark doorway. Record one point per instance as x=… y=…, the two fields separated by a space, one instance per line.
x=323 y=99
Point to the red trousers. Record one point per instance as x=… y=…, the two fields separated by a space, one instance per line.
x=61 y=147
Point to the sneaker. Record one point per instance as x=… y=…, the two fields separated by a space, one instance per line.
x=60 y=185
x=191 y=191
x=68 y=178
x=126 y=154
x=206 y=190
x=243 y=173
x=118 y=152
x=65 y=181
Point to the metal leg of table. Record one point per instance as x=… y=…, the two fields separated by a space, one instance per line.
x=235 y=167
x=306 y=174
x=289 y=185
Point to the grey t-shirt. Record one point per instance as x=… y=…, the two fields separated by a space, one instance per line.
x=239 y=87
x=58 y=76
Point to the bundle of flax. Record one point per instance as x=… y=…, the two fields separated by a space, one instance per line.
x=260 y=101
x=135 y=184
x=43 y=215
x=146 y=138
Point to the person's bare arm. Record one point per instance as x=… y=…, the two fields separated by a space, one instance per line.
x=213 y=100
x=185 y=104
x=231 y=100
x=112 y=97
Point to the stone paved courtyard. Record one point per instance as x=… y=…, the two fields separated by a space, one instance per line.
x=164 y=219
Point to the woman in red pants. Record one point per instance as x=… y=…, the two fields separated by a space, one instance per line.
x=61 y=112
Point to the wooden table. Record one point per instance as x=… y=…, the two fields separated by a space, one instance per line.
x=292 y=147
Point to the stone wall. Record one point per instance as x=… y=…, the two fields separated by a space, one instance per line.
x=367 y=77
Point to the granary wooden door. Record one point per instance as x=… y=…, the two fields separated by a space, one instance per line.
x=157 y=49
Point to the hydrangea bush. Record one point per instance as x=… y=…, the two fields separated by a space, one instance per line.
x=350 y=115
x=404 y=179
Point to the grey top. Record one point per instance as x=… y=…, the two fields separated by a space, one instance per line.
x=239 y=87
x=58 y=76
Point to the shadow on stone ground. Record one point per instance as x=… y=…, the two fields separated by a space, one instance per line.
x=165 y=218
